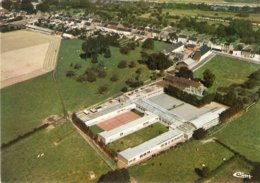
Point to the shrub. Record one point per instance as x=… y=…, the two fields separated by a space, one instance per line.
x=70 y=73
x=122 y=64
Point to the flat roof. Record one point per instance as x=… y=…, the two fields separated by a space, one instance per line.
x=130 y=153
x=165 y=101
x=126 y=126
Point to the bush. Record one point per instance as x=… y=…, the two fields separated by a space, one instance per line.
x=122 y=64
x=70 y=73
x=124 y=89
x=132 y=64
x=114 y=78
x=148 y=44
x=102 y=89
x=125 y=50
x=120 y=175
x=91 y=76
x=77 y=66
x=102 y=73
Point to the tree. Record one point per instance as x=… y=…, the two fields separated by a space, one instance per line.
x=70 y=73
x=148 y=44
x=43 y=7
x=124 y=89
x=185 y=73
x=102 y=89
x=26 y=5
x=158 y=61
x=107 y=53
x=102 y=73
x=77 y=66
x=120 y=175
x=124 y=50
x=91 y=76
x=7 y=4
x=132 y=64
x=208 y=78
x=199 y=133
x=114 y=78
x=122 y=64
x=255 y=173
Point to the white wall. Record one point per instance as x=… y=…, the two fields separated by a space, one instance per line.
x=110 y=115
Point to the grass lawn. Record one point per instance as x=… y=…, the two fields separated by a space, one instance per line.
x=243 y=134
x=177 y=164
x=78 y=94
x=24 y=105
x=227 y=70
x=225 y=173
x=138 y=137
x=67 y=158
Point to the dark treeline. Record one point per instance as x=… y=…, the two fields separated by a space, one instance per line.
x=237 y=29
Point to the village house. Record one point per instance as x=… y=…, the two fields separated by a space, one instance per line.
x=201 y=53
x=186 y=85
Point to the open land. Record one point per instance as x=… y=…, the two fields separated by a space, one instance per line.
x=177 y=164
x=227 y=71
x=26 y=54
x=243 y=134
x=67 y=158
x=138 y=137
x=78 y=94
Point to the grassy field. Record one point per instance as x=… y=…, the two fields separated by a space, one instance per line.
x=243 y=134
x=25 y=105
x=227 y=70
x=138 y=137
x=177 y=164
x=67 y=158
x=225 y=174
x=78 y=94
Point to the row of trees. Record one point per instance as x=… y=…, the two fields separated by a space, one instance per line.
x=237 y=29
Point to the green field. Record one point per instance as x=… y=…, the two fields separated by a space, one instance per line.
x=76 y=94
x=227 y=70
x=67 y=158
x=243 y=134
x=138 y=137
x=177 y=164
x=225 y=173
x=25 y=105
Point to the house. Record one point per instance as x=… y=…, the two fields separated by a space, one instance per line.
x=188 y=63
x=193 y=40
x=226 y=47
x=177 y=47
x=190 y=46
x=151 y=147
x=248 y=52
x=182 y=38
x=201 y=53
x=186 y=85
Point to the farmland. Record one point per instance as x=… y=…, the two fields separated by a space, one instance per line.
x=243 y=134
x=24 y=55
x=177 y=164
x=67 y=158
x=227 y=71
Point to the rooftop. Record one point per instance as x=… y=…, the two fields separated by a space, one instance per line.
x=180 y=82
x=129 y=153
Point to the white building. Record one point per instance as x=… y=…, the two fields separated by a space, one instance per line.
x=105 y=114
x=154 y=146
x=128 y=128
x=207 y=120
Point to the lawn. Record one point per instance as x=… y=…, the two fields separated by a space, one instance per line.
x=227 y=71
x=138 y=137
x=67 y=158
x=177 y=164
x=25 y=105
x=225 y=173
x=76 y=94
x=243 y=134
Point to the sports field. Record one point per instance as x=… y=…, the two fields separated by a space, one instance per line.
x=243 y=134
x=177 y=164
x=117 y=121
x=67 y=158
x=26 y=54
x=138 y=137
x=227 y=71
